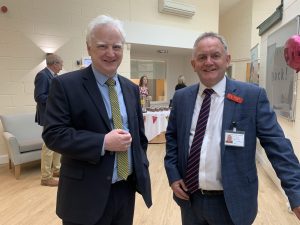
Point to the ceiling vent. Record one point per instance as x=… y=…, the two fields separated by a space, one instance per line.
x=176 y=8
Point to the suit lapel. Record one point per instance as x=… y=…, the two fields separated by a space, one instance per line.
x=229 y=105
x=189 y=111
x=191 y=101
x=127 y=95
x=229 y=110
x=90 y=84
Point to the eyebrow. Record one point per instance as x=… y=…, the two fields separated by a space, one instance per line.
x=104 y=43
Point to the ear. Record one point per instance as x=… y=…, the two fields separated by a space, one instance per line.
x=193 y=64
x=228 y=59
x=88 y=48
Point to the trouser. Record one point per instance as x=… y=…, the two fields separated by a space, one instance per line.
x=50 y=162
x=120 y=205
x=206 y=209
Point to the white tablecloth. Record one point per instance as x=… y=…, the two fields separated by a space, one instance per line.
x=155 y=123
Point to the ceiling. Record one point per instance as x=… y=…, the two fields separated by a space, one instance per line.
x=227 y=4
x=152 y=49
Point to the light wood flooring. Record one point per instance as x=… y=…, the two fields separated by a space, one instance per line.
x=26 y=202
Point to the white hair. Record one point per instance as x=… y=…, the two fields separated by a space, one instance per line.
x=103 y=20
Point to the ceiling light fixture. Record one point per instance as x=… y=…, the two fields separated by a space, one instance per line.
x=162 y=51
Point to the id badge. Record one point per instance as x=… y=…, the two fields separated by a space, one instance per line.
x=234 y=138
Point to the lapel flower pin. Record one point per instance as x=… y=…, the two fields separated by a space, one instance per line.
x=234 y=98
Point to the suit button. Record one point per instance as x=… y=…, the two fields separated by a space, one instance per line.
x=108 y=177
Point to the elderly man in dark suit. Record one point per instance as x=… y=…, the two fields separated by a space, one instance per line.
x=50 y=160
x=214 y=182
x=94 y=119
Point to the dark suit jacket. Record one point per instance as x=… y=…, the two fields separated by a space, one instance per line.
x=239 y=174
x=179 y=86
x=77 y=122
x=42 y=84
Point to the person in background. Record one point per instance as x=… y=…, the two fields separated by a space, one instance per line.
x=94 y=119
x=213 y=182
x=50 y=160
x=143 y=85
x=181 y=83
x=178 y=86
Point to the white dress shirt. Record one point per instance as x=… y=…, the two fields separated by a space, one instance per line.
x=210 y=157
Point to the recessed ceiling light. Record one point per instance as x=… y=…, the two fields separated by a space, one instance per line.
x=162 y=51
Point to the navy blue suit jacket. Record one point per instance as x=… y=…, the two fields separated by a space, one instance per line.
x=239 y=174
x=77 y=122
x=42 y=84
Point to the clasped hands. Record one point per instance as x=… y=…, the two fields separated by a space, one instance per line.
x=117 y=140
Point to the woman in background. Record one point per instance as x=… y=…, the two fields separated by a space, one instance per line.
x=144 y=91
x=181 y=83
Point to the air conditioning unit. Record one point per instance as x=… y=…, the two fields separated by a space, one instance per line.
x=176 y=8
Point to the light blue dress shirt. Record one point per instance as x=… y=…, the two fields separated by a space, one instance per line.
x=101 y=79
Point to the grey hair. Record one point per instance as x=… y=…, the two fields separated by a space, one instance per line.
x=181 y=79
x=52 y=59
x=211 y=35
x=103 y=20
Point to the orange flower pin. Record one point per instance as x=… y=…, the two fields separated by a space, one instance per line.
x=235 y=98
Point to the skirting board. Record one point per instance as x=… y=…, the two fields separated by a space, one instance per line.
x=3 y=159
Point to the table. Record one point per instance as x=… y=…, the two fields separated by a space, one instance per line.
x=155 y=123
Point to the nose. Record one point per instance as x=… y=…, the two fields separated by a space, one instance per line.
x=110 y=51
x=209 y=60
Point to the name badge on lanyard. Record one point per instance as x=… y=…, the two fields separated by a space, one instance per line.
x=234 y=137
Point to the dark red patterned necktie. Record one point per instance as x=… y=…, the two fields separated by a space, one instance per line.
x=192 y=173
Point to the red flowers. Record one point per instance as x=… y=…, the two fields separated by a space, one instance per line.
x=235 y=98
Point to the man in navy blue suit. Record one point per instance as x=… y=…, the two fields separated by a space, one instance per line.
x=81 y=125
x=226 y=186
x=50 y=160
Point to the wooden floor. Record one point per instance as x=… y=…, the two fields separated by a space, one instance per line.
x=26 y=202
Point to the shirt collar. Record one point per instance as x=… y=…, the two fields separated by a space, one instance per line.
x=50 y=71
x=101 y=78
x=219 y=88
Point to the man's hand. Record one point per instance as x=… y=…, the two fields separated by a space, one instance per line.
x=117 y=140
x=297 y=212
x=180 y=189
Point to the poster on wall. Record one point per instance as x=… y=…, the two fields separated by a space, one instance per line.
x=281 y=80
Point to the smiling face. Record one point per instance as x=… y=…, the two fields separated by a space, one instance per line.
x=106 y=49
x=145 y=81
x=210 y=61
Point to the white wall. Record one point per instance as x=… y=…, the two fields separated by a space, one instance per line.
x=235 y=26
x=261 y=10
x=33 y=27
x=238 y=26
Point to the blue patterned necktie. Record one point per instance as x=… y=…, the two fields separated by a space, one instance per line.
x=192 y=173
x=122 y=157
